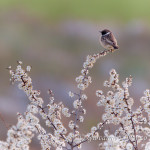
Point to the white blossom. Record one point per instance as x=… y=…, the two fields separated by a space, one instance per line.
x=71 y=94
x=28 y=68
x=147 y=147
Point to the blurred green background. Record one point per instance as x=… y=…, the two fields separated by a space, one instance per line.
x=54 y=37
x=94 y=10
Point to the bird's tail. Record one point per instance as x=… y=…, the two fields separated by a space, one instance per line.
x=116 y=47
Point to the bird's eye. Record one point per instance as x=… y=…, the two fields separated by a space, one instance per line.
x=104 y=32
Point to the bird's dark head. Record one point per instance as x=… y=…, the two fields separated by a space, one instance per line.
x=105 y=31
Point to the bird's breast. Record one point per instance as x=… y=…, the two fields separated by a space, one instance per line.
x=105 y=44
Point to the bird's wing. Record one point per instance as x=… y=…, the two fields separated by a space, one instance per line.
x=111 y=40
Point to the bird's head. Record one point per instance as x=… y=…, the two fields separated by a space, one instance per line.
x=105 y=31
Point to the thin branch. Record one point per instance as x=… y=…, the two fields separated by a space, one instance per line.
x=85 y=140
x=133 y=126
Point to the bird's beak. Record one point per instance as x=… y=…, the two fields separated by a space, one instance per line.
x=100 y=31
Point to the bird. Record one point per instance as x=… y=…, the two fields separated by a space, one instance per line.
x=108 y=40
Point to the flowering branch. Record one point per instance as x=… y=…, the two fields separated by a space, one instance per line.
x=118 y=112
x=83 y=82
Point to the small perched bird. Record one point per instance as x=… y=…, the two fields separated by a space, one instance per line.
x=107 y=40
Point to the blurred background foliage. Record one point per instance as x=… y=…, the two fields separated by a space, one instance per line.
x=55 y=36
x=94 y=10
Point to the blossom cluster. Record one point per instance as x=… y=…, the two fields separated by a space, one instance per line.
x=20 y=136
x=132 y=124
x=118 y=111
x=51 y=116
